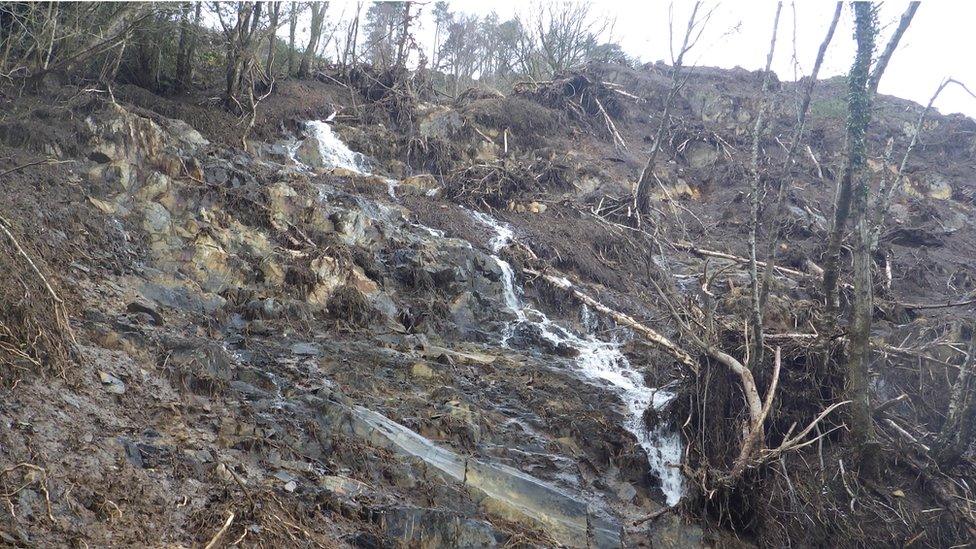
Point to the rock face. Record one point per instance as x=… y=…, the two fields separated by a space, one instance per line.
x=340 y=359
x=276 y=252
x=501 y=490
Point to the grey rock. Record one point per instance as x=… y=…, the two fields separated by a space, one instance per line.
x=111 y=383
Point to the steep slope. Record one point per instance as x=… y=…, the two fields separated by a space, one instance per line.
x=321 y=347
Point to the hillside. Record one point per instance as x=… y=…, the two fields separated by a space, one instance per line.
x=390 y=319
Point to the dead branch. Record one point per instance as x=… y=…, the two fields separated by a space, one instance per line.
x=653 y=516
x=651 y=335
x=756 y=430
x=946 y=305
x=794 y=442
x=687 y=246
x=888 y=404
x=45 y=162
x=221 y=532
x=59 y=310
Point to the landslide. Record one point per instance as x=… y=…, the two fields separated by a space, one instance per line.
x=183 y=318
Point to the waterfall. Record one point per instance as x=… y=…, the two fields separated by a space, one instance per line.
x=603 y=361
x=335 y=154
x=597 y=360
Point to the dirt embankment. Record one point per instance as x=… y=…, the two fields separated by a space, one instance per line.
x=189 y=329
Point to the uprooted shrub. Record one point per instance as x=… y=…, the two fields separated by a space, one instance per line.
x=392 y=94
x=575 y=92
x=349 y=308
x=528 y=124
x=498 y=182
x=583 y=97
x=35 y=336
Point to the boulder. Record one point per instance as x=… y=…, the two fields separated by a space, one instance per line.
x=417 y=185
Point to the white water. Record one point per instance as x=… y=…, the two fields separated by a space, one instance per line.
x=600 y=361
x=335 y=153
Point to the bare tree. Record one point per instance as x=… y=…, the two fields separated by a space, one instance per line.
x=187 y=46
x=759 y=129
x=315 y=34
x=842 y=208
x=293 y=12
x=693 y=31
x=37 y=42
x=404 y=38
x=460 y=52
x=801 y=119
x=352 y=36
x=383 y=19
x=240 y=23
x=442 y=20
x=889 y=185
x=558 y=35
x=272 y=39
x=958 y=431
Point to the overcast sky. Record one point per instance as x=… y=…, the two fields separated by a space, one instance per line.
x=940 y=42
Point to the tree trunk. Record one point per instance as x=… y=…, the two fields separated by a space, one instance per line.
x=404 y=37
x=855 y=199
x=756 y=316
x=187 y=45
x=958 y=431
x=355 y=31
x=292 y=25
x=240 y=52
x=272 y=39
x=315 y=33
x=842 y=209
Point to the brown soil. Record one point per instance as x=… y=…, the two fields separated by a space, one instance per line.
x=194 y=434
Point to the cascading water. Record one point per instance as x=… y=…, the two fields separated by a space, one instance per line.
x=599 y=360
x=335 y=154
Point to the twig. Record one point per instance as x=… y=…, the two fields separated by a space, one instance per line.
x=652 y=516
x=46 y=161
x=43 y=471
x=223 y=529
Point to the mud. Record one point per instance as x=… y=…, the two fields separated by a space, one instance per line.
x=337 y=361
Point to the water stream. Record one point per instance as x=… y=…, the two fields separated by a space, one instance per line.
x=335 y=154
x=598 y=361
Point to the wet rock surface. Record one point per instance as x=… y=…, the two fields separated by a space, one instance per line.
x=340 y=359
x=291 y=339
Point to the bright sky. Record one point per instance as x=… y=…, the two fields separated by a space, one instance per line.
x=940 y=42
